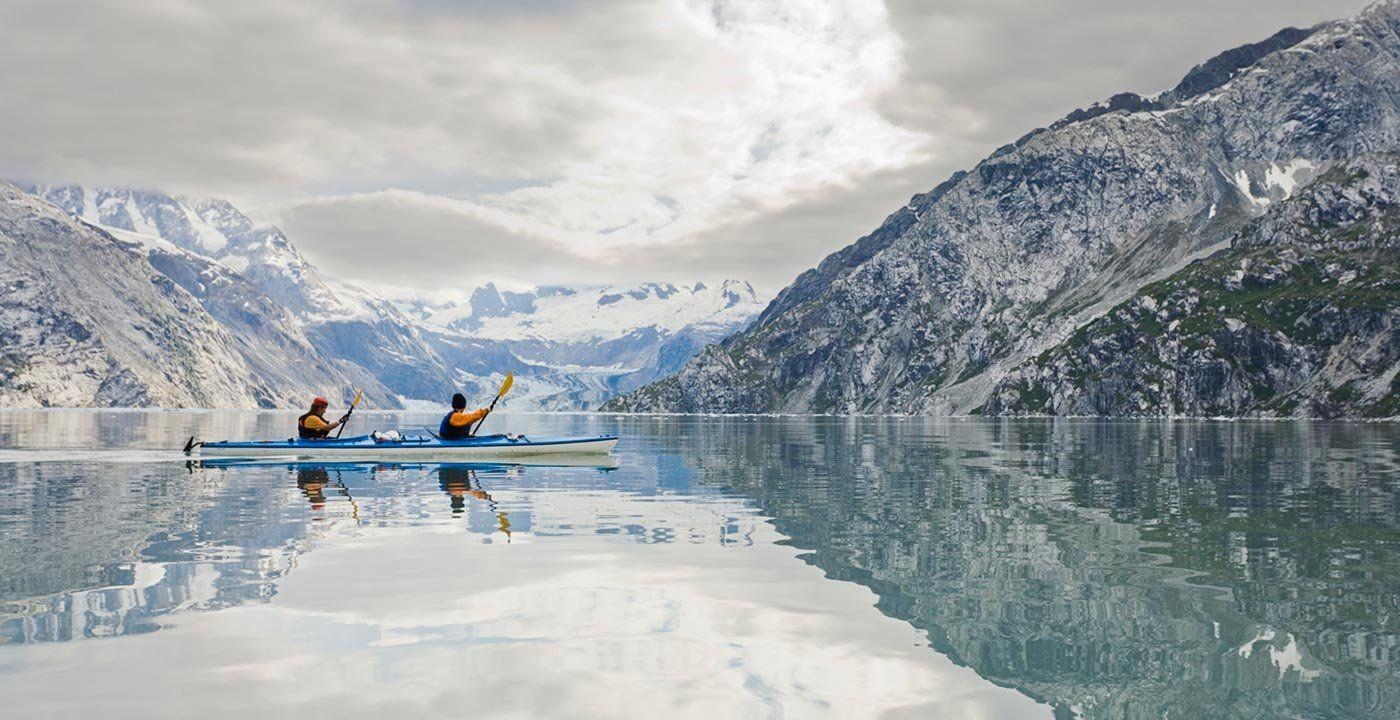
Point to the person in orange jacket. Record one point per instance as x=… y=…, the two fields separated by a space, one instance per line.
x=457 y=424
x=313 y=425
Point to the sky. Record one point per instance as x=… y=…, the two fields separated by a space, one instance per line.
x=428 y=146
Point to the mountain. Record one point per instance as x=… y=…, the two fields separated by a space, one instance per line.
x=214 y=229
x=580 y=346
x=89 y=319
x=960 y=288
x=298 y=333
x=1301 y=316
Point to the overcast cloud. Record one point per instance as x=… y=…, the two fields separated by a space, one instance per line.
x=434 y=144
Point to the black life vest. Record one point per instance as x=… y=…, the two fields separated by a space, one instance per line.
x=448 y=431
x=306 y=433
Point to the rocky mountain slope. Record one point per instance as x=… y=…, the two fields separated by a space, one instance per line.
x=298 y=333
x=997 y=265
x=1300 y=317
x=88 y=319
x=381 y=348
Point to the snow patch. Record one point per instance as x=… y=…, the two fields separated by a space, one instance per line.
x=236 y=263
x=89 y=205
x=210 y=239
x=1290 y=657
x=139 y=223
x=1287 y=658
x=419 y=405
x=145 y=240
x=1286 y=178
x=1241 y=180
x=1263 y=635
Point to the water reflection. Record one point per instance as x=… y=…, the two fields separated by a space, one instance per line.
x=460 y=481
x=94 y=550
x=1110 y=569
x=1117 y=569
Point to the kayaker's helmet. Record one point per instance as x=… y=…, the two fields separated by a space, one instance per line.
x=459 y=401
x=319 y=401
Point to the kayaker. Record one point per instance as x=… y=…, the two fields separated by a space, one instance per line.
x=457 y=483
x=313 y=425
x=457 y=424
x=313 y=482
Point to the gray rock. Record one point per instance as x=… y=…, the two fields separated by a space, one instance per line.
x=86 y=320
x=995 y=266
x=1301 y=317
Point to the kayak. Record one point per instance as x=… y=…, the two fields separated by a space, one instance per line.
x=419 y=446
x=595 y=461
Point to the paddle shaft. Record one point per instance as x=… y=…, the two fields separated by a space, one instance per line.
x=350 y=412
x=489 y=408
x=505 y=388
x=341 y=429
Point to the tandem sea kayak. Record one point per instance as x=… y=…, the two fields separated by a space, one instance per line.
x=414 y=446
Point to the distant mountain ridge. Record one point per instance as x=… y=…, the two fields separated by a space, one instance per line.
x=583 y=345
x=296 y=333
x=964 y=285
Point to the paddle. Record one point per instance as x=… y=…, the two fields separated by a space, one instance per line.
x=346 y=419
x=505 y=388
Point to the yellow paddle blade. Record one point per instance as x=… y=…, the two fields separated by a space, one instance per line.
x=358 y=396
x=505 y=386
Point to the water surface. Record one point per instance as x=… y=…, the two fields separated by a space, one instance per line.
x=744 y=567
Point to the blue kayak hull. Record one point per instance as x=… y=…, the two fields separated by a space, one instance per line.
x=365 y=446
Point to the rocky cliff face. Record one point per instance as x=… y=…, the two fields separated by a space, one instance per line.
x=995 y=266
x=209 y=228
x=86 y=320
x=1300 y=317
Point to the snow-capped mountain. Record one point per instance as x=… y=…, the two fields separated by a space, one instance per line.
x=210 y=228
x=562 y=314
x=87 y=318
x=582 y=345
x=296 y=332
x=994 y=269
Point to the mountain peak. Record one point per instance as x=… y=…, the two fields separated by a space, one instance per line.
x=1220 y=69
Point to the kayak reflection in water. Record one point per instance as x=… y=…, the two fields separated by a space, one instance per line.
x=312 y=480
x=313 y=425
x=459 y=482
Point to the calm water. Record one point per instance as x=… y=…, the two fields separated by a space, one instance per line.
x=725 y=567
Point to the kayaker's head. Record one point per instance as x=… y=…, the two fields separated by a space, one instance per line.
x=459 y=401
x=319 y=405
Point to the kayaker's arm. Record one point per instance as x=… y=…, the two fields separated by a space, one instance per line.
x=316 y=423
x=463 y=419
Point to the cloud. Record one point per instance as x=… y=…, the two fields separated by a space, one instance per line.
x=610 y=139
x=997 y=68
x=396 y=239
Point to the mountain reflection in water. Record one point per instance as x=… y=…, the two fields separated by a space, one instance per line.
x=1126 y=569
x=1109 y=569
